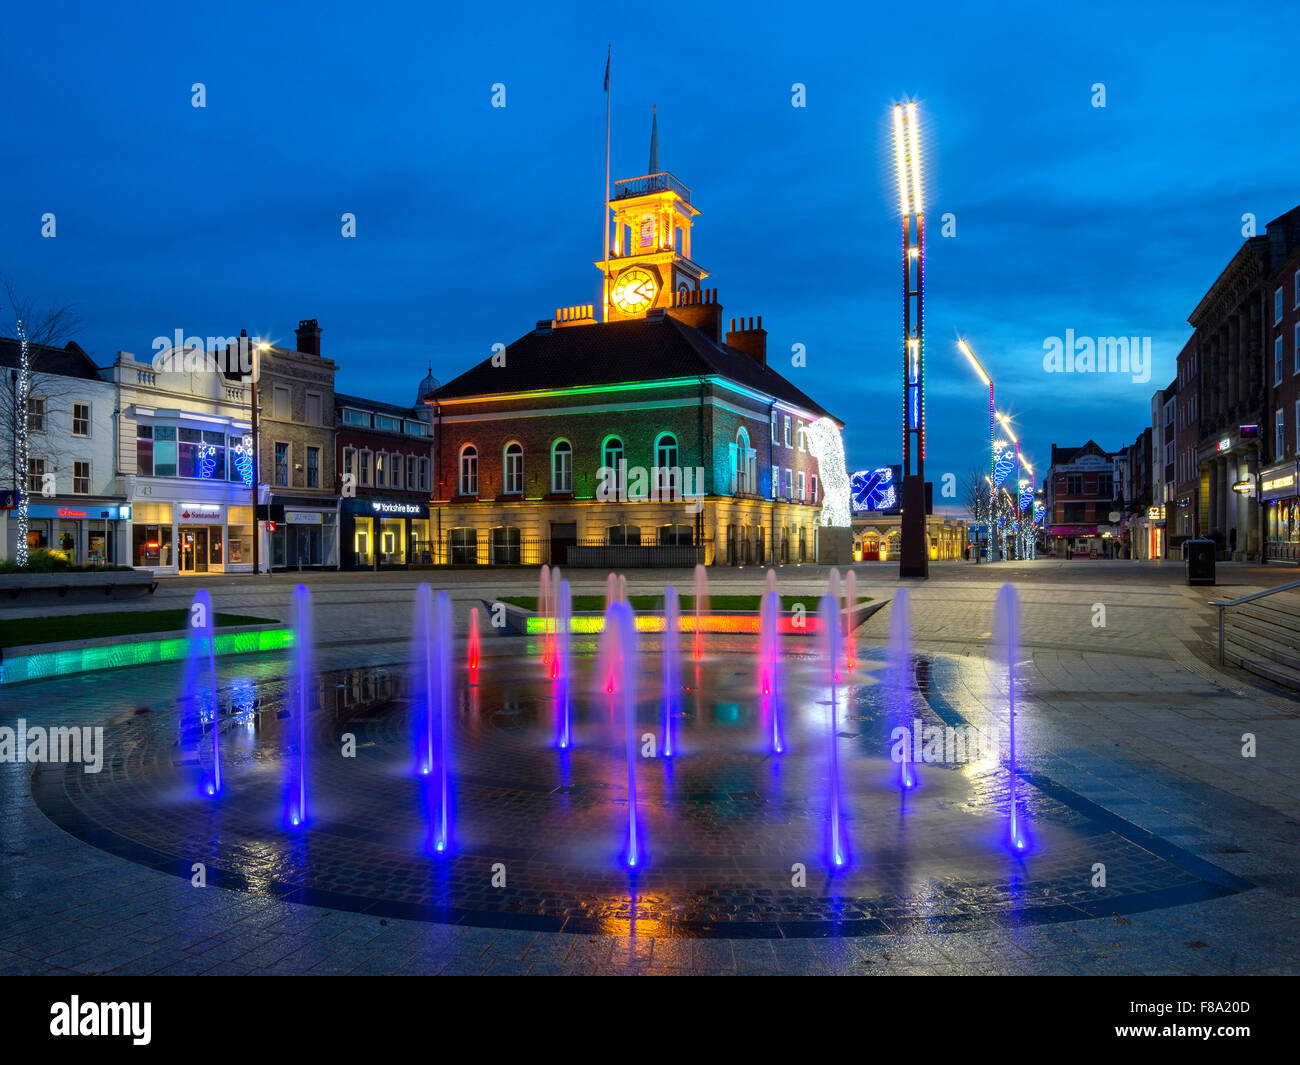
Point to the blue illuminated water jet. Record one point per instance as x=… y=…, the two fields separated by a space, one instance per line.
x=563 y=683
x=431 y=695
x=672 y=668
x=899 y=683
x=829 y=625
x=769 y=667
x=301 y=690
x=1006 y=625
x=199 y=690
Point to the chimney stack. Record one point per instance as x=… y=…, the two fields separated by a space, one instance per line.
x=752 y=341
x=308 y=333
x=699 y=308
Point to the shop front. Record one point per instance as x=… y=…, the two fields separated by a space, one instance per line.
x=86 y=534
x=385 y=534
x=191 y=537
x=1076 y=541
x=307 y=538
x=1281 y=502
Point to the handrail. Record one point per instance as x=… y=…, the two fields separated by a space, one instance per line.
x=1222 y=604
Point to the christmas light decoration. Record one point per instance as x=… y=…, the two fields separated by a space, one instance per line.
x=828 y=449
x=874 y=489
x=1004 y=461
x=20 y=461
x=243 y=459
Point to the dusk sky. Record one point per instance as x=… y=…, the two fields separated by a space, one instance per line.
x=473 y=222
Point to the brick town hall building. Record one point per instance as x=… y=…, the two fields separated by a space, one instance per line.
x=649 y=438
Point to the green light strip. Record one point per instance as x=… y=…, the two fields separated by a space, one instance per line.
x=47 y=664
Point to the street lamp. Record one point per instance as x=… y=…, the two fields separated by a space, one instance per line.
x=983 y=376
x=254 y=403
x=914 y=558
x=1006 y=428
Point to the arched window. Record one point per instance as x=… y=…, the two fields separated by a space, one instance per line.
x=513 y=481
x=469 y=470
x=561 y=466
x=611 y=452
x=744 y=471
x=666 y=462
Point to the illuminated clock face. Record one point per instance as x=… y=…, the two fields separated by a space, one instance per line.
x=634 y=290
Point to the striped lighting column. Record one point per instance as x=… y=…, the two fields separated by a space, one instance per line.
x=993 y=443
x=914 y=557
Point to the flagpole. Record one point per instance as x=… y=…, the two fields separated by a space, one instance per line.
x=605 y=217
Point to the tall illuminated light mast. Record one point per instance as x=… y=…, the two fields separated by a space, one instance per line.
x=993 y=442
x=914 y=558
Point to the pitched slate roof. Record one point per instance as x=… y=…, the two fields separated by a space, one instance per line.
x=610 y=353
x=69 y=361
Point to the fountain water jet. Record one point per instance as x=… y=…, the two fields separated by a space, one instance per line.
x=301 y=687
x=851 y=621
x=1006 y=625
x=769 y=658
x=544 y=610
x=563 y=681
x=900 y=682
x=770 y=582
x=622 y=589
x=834 y=591
x=199 y=689
x=431 y=696
x=621 y=620
x=701 y=606
x=837 y=843
x=672 y=652
x=611 y=590
x=473 y=653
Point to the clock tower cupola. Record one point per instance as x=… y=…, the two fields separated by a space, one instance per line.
x=650 y=257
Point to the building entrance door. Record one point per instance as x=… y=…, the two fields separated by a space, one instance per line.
x=564 y=535
x=194 y=549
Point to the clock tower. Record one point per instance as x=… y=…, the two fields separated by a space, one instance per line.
x=650 y=259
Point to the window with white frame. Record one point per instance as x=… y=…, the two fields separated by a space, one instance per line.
x=561 y=466
x=812 y=490
x=280 y=403
x=381 y=469
x=35 y=476
x=512 y=483
x=789 y=483
x=363 y=468
x=395 y=469
x=1295 y=348
x=313 y=408
x=800 y=438
x=802 y=486
x=666 y=461
x=35 y=414
x=81 y=419
x=350 y=463
x=469 y=470
x=1279 y=435
x=776 y=481
x=1277 y=305
x=424 y=475
x=785 y=429
x=1295 y=287
x=81 y=478
x=773 y=416
x=410 y=472
x=1277 y=361
x=743 y=464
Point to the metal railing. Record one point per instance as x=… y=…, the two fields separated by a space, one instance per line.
x=1223 y=604
x=648 y=183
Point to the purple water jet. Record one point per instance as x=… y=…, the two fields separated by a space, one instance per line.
x=837 y=843
x=672 y=668
x=769 y=669
x=563 y=678
x=1006 y=625
x=301 y=689
x=431 y=695
x=199 y=688
x=899 y=683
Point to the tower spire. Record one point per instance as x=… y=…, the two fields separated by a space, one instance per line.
x=654 y=140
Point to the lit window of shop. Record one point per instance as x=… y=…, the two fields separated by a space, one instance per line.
x=164 y=450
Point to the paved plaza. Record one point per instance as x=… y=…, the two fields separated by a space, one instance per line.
x=1130 y=753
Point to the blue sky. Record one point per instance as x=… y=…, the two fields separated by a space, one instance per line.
x=473 y=221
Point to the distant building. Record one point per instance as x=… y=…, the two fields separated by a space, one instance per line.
x=1080 y=497
x=76 y=503
x=385 y=462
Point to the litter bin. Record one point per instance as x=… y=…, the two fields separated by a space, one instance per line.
x=1199 y=555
